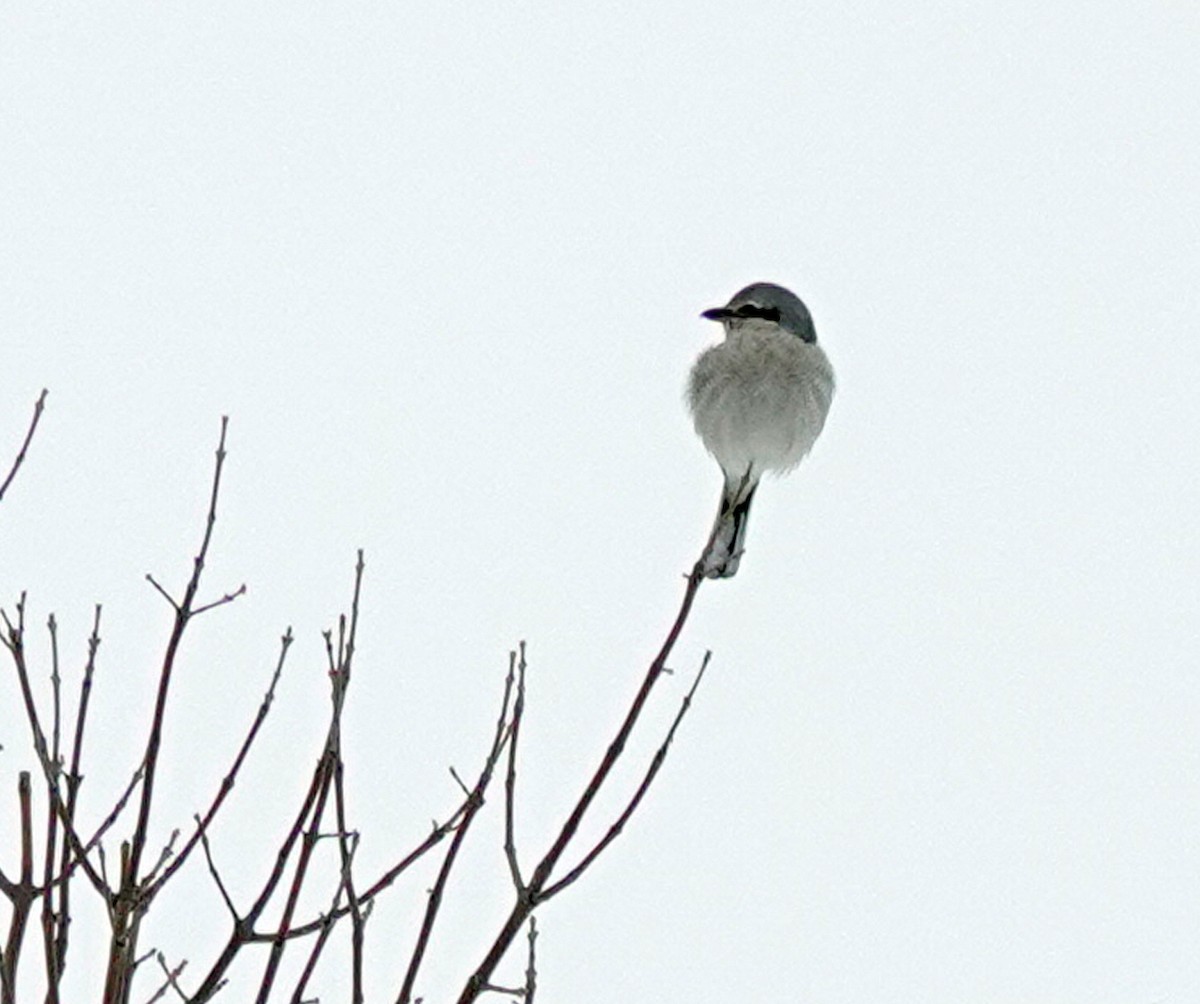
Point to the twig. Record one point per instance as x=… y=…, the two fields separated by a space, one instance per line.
x=38 y=407
x=172 y=979
x=49 y=920
x=104 y=873
x=130 y=902
x=473 y=804
x=162 y=592
x=304 y=829
x=20 y=895
x=462 y=785
x=359 y=916
x=307 y=844
x=118 y=807
x=510 y=780
x=531 y=967
x=227 y=783
x=14 y=640
x=56 y=693
x=331 y=761
x=347 y=845
x=243 y=930
x=182 y=615
x=339 y=675
x=436 y=836
x=227 y=598
x=526 y=992
x=525 y=903
x=655 y=764
x=212 y=870
x=74 y=780
x=328 y=921
x=164 y=856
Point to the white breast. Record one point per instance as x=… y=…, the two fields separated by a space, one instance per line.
x=759 y=400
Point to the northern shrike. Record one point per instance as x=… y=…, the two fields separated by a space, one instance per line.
x=759 y=401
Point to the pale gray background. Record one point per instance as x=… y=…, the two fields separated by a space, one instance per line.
x=442 y=266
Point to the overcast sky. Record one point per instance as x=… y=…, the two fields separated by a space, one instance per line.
x=443 y=267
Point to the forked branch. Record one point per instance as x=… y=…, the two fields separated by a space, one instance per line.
x=529 y=896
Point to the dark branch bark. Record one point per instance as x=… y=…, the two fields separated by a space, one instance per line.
x=74 y=779
x=656 y=763
x=528 y=900
x=182 y=616
x=14 y=641
x=510 y=780
x=38 y=408
x=20 y=895
x=473 y=804
x=130 y=901
x=227 y=783
x=135 y=886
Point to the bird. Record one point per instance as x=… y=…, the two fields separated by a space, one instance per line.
x=759 y=400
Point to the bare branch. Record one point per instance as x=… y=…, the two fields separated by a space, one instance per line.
x=531 y=966
x=299 y=875
x=130 y=896
x=172 y=979
x=74 y=779
x=227 y=598
x=49 y=920
x=56 y=692
x=243 y=930
x=347 y=845
x=104 y=872
x=331 y=762
x=20 y=895
x=438 y=833
x=130 y=903
x=305 y=829
x=118 y=807
x=164 y=856
x=14 y=641
x=472 y=805
x=230 y=778
x=182 y=615
x=510 y=780
x=526 y=992
x=655 y=764
x=310 y=964
x=528 y=901
x=212 y=870
x=162 y=592
x=38 y=407
x=327 y=923
x=462 y=785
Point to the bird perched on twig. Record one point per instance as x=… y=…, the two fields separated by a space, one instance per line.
x=759 y=401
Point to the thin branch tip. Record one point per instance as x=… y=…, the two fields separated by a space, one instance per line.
x=38 y=408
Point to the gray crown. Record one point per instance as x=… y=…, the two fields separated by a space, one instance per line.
x=770 y=302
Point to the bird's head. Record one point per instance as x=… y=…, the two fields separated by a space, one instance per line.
x=765 y=306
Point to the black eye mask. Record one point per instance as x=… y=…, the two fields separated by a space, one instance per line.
x=753 y=310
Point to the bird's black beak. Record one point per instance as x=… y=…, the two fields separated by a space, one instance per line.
x=717 y=313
